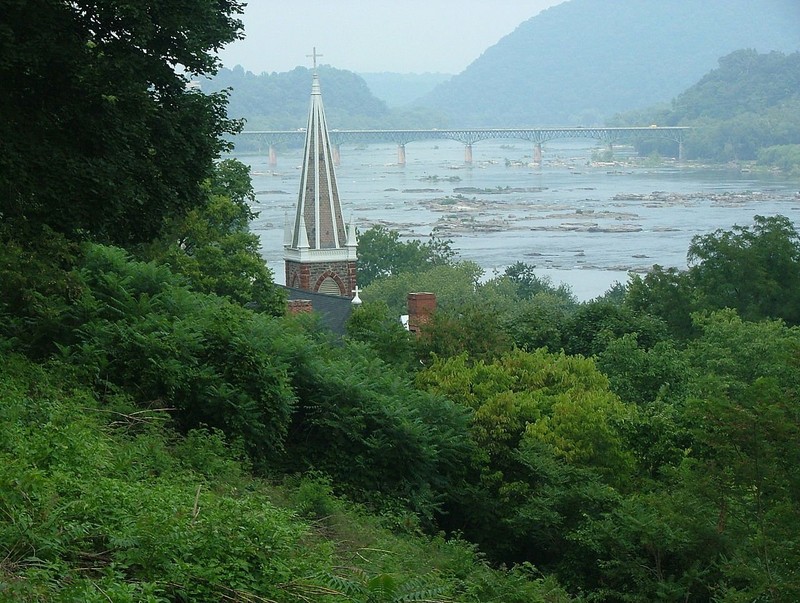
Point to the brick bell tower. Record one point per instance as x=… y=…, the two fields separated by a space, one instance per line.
x=319 y=250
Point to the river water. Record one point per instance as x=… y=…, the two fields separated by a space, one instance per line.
x=583 y=223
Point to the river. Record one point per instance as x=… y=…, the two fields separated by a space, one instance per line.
x=579 y=222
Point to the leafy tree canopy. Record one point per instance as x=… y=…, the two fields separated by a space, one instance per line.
x=213 y=247
x=381 y=253
x=100 y=136
x=754 y=270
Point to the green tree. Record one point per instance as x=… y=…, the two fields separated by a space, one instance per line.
x=667 y=294
x=472 y=327
x=594 y=324
x=213 y=247
x=381 y=253
x=374 y=324
x=786 y=157
x=550 y=449
x=453 y=284
x=743 y=407
x=137 y=328
x=100 y=136
x=528 y=284
x=382 y=441
x=754 y=270
x=749 y=103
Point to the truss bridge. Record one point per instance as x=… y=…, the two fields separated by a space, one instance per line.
x=468 y=137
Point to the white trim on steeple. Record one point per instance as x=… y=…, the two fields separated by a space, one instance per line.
x=352 y=239
x=287 y=230
x=303 y=242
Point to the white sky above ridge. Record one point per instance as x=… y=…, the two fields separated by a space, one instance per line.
x=402 y=36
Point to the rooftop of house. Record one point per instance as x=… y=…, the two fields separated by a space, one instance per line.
x=333 y=309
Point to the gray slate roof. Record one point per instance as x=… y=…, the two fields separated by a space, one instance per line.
x=333 y=309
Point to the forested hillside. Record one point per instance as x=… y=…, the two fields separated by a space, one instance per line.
x=747 y=108
x=279 y=101
x=582 y=61
x=169 y=434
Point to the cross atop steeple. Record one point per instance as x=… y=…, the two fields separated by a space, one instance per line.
x=314 y=56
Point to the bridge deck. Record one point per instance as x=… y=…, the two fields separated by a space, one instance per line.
x=470 y=136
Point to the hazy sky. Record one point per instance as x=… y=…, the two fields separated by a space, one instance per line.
x=404 y=36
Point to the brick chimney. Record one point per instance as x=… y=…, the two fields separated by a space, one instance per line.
x=420 y=308
x=299 y=306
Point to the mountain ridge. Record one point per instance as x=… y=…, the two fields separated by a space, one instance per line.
x=561 y=67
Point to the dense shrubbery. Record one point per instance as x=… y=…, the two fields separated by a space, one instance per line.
x=101 y=501
x=655 y=469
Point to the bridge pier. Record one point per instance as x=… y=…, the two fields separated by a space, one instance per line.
x=337 y=155
x=401 y=154
x=680 y=150
x=273 y=156
x=468 y=153
x=537 y=153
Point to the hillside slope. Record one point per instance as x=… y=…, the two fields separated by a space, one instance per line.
x=749 y=103
x=399 y=89
x=581 y=61
x=280 y=100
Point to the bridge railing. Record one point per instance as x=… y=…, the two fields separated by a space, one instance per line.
x=472 y=135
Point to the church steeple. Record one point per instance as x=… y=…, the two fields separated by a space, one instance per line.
x=319 y=250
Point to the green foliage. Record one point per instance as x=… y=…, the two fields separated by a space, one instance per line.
x=755 y=270
x=716 y=524
x=382 y=254
x=744 y=409
x=96 y=506
x=528 y=285
x=595 y=324
x=744 y=82
x=386 y=588
x=644 y=375
x=785 y=157
x=472 y=327
x=656 y=546
x=139 y=329
x=36 y=291
x=666 y=294
x=380 y=440
x=92 y=97
x=453 y=284
x=550 y=441
x=537 y=322
x=212 y=247
x=102 y=501
x=374 y=324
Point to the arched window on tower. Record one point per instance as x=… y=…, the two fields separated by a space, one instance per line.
x=329 y=287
